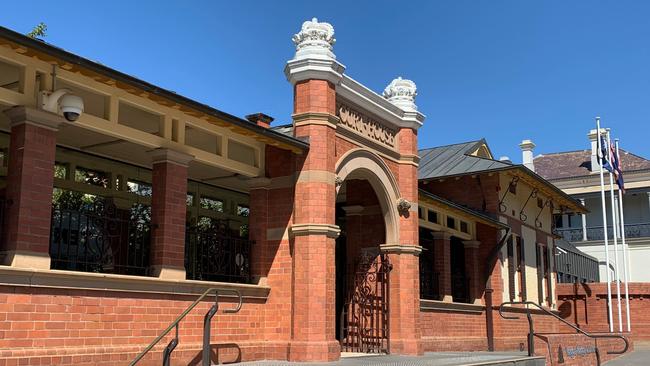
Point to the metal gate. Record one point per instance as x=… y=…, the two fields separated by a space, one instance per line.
x=364 y=320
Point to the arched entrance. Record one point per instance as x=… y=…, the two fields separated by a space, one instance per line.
x=365 y=215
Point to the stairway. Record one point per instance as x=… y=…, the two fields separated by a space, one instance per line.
x=428 y=359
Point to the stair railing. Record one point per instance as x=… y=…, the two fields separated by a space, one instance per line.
x=206 y=327
x=531 y=329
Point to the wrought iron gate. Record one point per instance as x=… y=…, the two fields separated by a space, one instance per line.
x=364 y=320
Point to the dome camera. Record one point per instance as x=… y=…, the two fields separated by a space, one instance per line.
x=71 y=106
x=64 y=102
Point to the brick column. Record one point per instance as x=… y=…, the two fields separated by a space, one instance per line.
x=442 y=263
x=257 y=227
x=30 y=180
x=405 y=336
x=313 y=230
x=168 y=213
x=473 y=269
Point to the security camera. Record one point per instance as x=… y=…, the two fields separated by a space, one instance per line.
x=62 y=101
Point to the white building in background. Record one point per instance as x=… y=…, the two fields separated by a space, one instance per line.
x=577 y=174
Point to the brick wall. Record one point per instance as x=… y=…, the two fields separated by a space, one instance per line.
x=88 y=327
x=586 y=306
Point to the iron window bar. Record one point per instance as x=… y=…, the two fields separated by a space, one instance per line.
x=531 y=329
x=206 y=327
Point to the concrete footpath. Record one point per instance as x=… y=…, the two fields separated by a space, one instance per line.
x=636 y=358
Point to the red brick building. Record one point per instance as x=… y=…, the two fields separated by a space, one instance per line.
x=339 y=234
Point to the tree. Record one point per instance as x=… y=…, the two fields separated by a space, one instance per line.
x=38 y=32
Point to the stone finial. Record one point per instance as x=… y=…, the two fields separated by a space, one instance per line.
x=402 y=92
x=315 y=40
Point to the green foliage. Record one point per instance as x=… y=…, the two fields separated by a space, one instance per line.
x=38 y=32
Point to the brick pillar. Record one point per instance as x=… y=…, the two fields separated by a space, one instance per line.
x=257 y=227
x=473 y=269
x=442 y=263
x=405 y=336
x=30 y=180
x=168 y=213
x=313 y=230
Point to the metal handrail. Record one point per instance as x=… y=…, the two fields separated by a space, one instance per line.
x=174 y=324
x=531 y=332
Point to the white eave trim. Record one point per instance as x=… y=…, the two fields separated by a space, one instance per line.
x=359 y=95
x=352 y=91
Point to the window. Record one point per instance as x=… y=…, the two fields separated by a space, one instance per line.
x=451 y=222
x=511 y=268
x=243 y=211
x=60 y=171
x=558 y=221
x=211 y=204
x=92 y=177
x=420 y=213
x=464 y=227
x=139 y=188
x=432 y=216
x=521 y=267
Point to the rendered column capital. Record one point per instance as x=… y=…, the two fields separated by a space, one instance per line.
x=161 y=155
x=331 y=231
x=37 y=117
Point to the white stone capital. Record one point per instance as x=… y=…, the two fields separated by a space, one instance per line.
x=331 y=231
x=400 y=249
x=298 y=70
x=471 y=243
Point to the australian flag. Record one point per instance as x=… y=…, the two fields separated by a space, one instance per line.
x=605 y=156
x=618 y=171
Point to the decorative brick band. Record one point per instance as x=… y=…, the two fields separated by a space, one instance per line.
x=331 y=231
x=103 y=282
x=315 y=118
x=401 y=249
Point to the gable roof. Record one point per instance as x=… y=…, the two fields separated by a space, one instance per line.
x=475 y=157
x=572 y=164
x=457 y=159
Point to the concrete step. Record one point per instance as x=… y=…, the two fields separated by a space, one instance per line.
x=428 y=359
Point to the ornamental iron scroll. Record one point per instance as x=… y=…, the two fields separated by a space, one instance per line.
x=522 y=215
x=548 y=203
x=365 y=320
x=511 y=186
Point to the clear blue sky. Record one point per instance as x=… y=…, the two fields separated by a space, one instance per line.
x=503 y=70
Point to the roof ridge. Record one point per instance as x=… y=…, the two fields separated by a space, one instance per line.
x=448 y=145
x=562 y=152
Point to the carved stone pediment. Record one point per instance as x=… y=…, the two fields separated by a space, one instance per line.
x=365 y=126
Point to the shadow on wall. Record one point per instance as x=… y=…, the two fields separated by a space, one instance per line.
x=221 y=353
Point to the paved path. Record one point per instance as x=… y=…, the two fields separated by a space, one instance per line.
x=636 y=358
x=437 y=359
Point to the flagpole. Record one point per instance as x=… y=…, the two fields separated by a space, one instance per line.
x=626 y=265
x=599 y=151
x=617 y=276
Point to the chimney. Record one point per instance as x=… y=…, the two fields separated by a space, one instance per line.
x=260 y=119
x=593 y=137
x=527 y=147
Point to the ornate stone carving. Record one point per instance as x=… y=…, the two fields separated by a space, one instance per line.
x=338 y=181
x=402 y=92
x=365 y=126
x=403 y=205
x=315 y=40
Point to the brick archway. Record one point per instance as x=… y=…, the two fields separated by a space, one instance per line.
x=365 y=165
